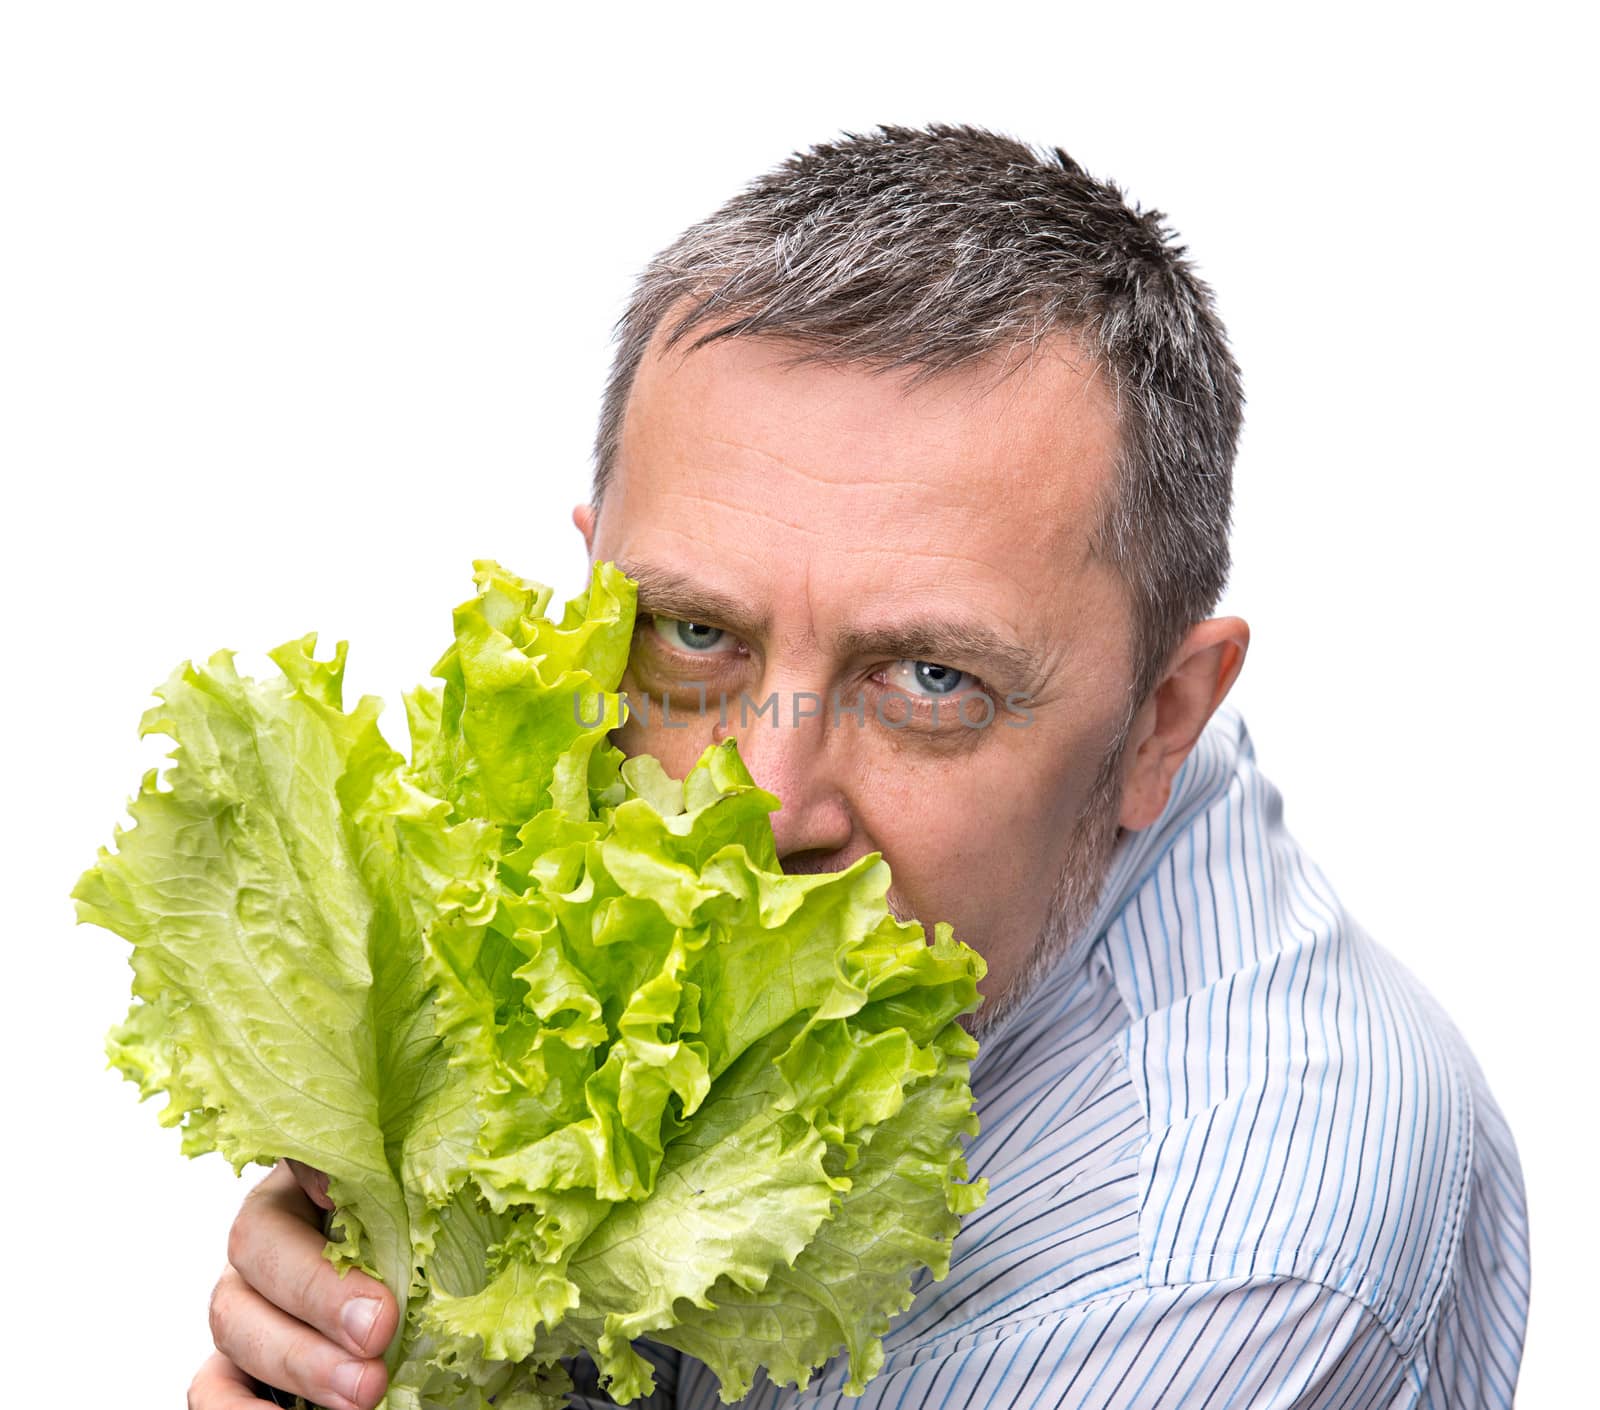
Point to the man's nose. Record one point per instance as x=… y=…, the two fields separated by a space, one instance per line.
x=788 y=751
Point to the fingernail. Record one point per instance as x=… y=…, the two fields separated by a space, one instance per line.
x=346 y=1380
x=357 y=1319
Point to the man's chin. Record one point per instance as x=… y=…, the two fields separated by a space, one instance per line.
x=980 y=1023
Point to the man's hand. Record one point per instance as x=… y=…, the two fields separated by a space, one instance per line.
x=280 y=1312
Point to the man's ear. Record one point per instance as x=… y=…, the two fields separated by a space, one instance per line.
x=1201 y=673
x=583 y=517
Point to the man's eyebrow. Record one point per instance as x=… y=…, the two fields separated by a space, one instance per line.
x=963 y=645
x=664 y=592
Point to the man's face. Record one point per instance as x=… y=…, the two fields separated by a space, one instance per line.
x=810 y=529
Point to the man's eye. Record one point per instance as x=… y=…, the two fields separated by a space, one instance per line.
x=687 y=636
x=927 y=678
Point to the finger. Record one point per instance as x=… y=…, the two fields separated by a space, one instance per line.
x=273 y=1347
x=220 y=1385
x=279 y=1254
x=313 y=1182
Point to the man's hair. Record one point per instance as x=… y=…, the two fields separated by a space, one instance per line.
x=929 y=249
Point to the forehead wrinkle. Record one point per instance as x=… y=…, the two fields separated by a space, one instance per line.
x=725 y=500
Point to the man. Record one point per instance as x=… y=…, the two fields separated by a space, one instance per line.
x=930 y=424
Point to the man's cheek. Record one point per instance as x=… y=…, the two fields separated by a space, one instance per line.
x=676 y=741
x=953 y=867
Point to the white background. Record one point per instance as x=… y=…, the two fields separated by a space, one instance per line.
x=305 y=307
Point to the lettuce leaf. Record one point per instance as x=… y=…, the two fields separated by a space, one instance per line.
x=582 y=1063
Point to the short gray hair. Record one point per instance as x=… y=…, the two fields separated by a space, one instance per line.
x=928 y=249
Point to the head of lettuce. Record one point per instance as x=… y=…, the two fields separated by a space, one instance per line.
x=582 y=1063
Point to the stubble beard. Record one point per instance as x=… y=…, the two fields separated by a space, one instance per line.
x=1094 y=839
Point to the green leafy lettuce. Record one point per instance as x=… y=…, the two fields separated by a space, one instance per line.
x=583 y=1065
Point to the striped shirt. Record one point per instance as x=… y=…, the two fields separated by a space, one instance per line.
x=1237 y=1157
